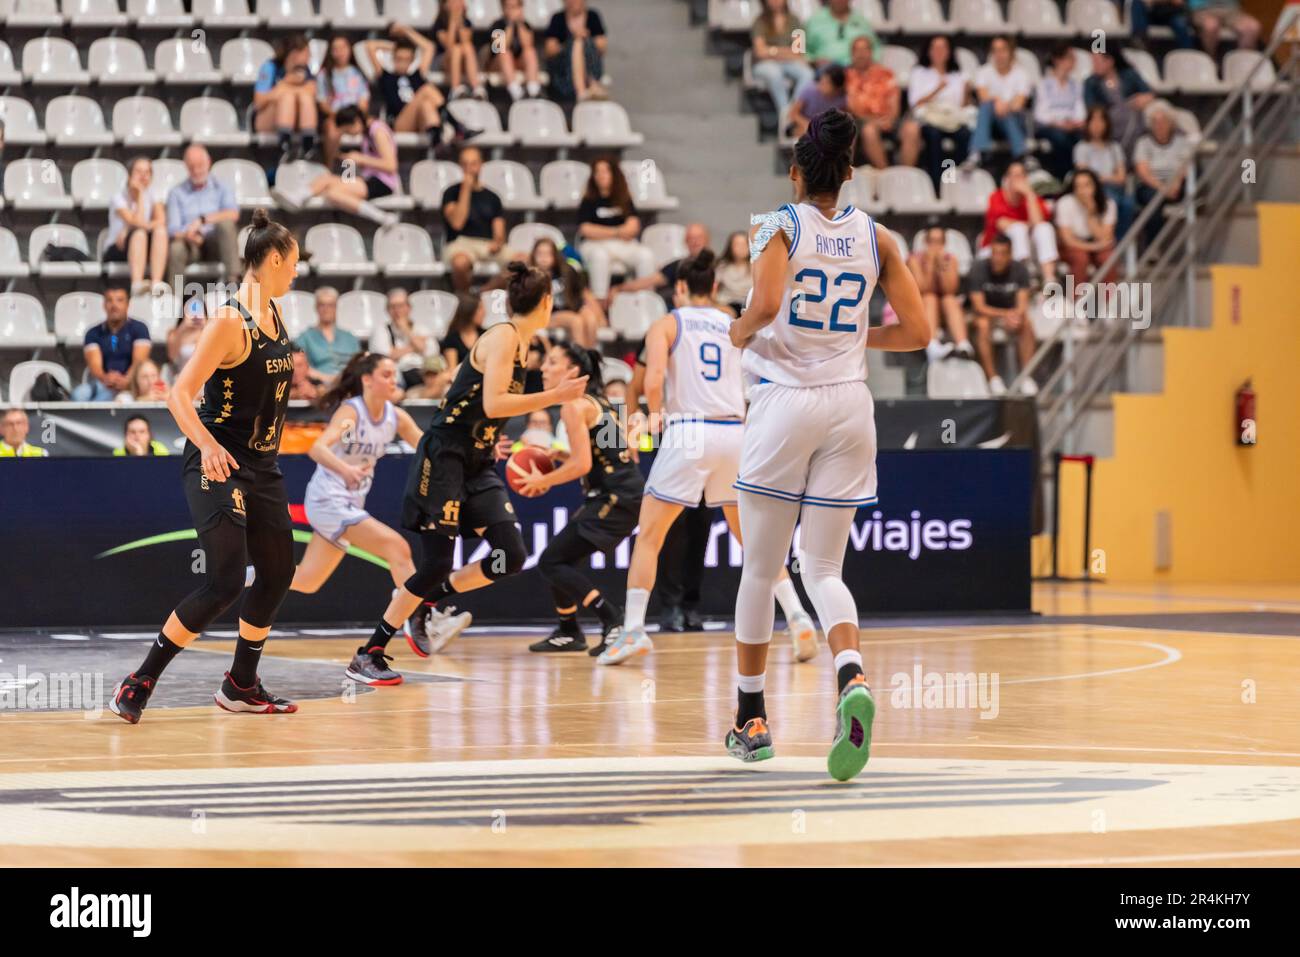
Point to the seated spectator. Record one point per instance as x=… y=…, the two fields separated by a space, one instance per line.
x=827 y=93
x=1002 y=89
x=455 y=39
x=1085 y=220
x=939 y=279
x=1101 y=154
x=664 y=279
x=573 y=307
x=328 y=347
x=777 y=64
x=400 y=340
x=183 y=338
x=1058 y=110
x=872 y=96
x=305 y=384
x=1017 y=212
x=144 y=384
x=575 y=52
x=616 y=391
x=137 y=439
x=1122 y=91
x=831 y=30
x=369 y=173
x=435 y=380
x=201 y=218
x=284 y=97
x=539 y=433
x=137 y=228
x=937 y=94
x=14 y=426
x=1211 y=16
x=735 y=276
x=514 y=48
x=463 y=330
x=609 y=228
x=998 y=294
x=1165 y=13
x=112 y=349
x=339 y=84
x=475 y=223
x=1158 y=163
x=412 y=103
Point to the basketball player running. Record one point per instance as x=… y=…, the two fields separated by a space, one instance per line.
x=689 y=355
x=242 y=365
x=612 y=481
x=453 y=488
x=810 y=439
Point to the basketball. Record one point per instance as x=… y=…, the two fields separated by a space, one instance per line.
x=521 y=464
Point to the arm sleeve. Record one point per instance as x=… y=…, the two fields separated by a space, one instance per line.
x=768 y=225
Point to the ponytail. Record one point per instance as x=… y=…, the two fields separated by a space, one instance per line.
x=588 y=362
x=349 y=383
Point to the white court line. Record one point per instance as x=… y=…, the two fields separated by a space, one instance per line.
x=1107 y=861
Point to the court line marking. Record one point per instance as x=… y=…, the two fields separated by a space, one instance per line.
x=1118 y=859
x=1242 y=604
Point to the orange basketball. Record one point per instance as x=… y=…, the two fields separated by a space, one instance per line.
x=521 y=464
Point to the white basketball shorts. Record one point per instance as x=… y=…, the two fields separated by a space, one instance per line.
x=332 y=514
x=697 y=460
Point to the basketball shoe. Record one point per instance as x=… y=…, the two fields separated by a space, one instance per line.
x=854 y=713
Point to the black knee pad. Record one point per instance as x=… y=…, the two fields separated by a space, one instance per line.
x=508 y=552
x=435 y=566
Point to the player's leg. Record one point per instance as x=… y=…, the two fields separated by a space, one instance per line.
x=656 y=517
x=799 y=624
x=318 y=563
x=569 y=587
x=373 y=536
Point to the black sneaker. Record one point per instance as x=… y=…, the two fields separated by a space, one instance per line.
x=672 y=618
x=753 y=742
x=254 y=700
x=691 y=620
x=560 y=640
x=369 y=666
x=606 y=639
x=130 y=697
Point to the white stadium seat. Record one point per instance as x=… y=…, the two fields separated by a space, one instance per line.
x=860 y=191
x=405 y=250
x=525 y=236
x=483 y=117
x=184 y=61
x=899 y=59
x=38 y=14
x=53 y=61
x=539 y=123
x=167 y=173
x=297 y=176
x=159 y=312
x=228 y=14
x=481 y=13
x=1082 y=64
x=242 y=57
x=970 y=192
x=908 y=189
x=212 y=121
x=1193 y=72
x=967 y=62
x=95 y=182
x=298 y=310
x=513 y=183
x=1027 y=60
x=35 y=184
x=922 y=17
x=361 y=310
x=430 y=179
x=539 y=12
x=59 y=234
x=411 y=11
x=667 y=241
x=144 y=121
x=74 y=313
x=431 y=311
x=247 y=179
x=9 y=74
x=93 y=13
x=25 y=374
x=291 y=14
x=977 y=17
x=76 y=121
x=1238 y=64
x=1147 y=68
x=1037 y=18
x=563 y=183
x=19 y=118
x=873 y=10
x=733 y=16
x=161 y=14
x=118 y=61
x=338 y=250
x=646 y=182
x=22 y=322
x=604 y=124
x=1089 y=17
x=12 y=263
x=352 y=14
x=632 y=313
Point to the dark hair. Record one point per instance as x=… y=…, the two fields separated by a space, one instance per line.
x=727 y=257
x=698 y=272
x=619 y=193
x=290 y=44
x=1105 y=116
x=352 y=113
x=467 y=308
x=1060 y=50
x=527 y=287
x=403 y=43
x=1099 y=197
x=138 y=158
x=835 y=73
x=927 y=60
x=136 y=418
x=352 y=53
x=1000 y=239
x=348 y=383
x=588 y=362
x=562 y=270
x=118 y=285
x=264 y=238
x=1006 y=38
x=824 y=154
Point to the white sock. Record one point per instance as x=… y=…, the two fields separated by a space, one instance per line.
x=751 y=683
x=634 y=613
x=788 y=599
x=374 y=213
x=849 y=656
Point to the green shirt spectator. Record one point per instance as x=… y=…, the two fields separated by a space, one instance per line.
x=831 y=31
x=329 y=355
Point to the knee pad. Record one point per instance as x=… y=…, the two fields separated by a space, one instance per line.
x=435 y=564
x=508 y=553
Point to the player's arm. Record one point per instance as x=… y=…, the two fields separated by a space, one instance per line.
x=222 y=338
x=343 y=421
x=574 y=416
x=657 y=343
x=497 y=353
x=769 y=289
x=407 y=428
x=912 y=331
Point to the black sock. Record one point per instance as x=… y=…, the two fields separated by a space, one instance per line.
x=845 y=674
x=284 y=141
x=161 y=653
x=749 y=704
x=243 y=670
x=308 y=141
x=611 y=616
x=450 y=118
x=568 y=621
x=383 y=634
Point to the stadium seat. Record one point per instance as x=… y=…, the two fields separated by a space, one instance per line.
x=646 y=182
x=144 y=121
x=920 y=17
x=954 y=241
x=980 y=18
x=212 y=122
x=160 y=14
x=298 y=310
x=604 y=124
x=9 y=74
x=955 y=379
x=53 y=61
x=74 y=313
x=733 y=16
x=970 y=192
x=525 y=236
x=908 y=189
x=632 y=313
x=227 y=14
x=59 y=234
x=1037 y=18
x=338 y=250
x=167 y=173
x=406 y=250
x=1089 y=16
x=352 y=14
x=298 y=175
x=289 y=14
x=900 y=60
x=247 y=179
x=873 y=10
x=1192 y=72
x=563 y=182
x=93 y=13
x=95 y=182
x=241 y=58
x=481 y=13
x=22 y=322
x=1082 y=64
x=19 y=118
x=360 y=310
x=1027 y=60
x=25 y=374
x=430 y=179
x=538 y=13
x=180 y=61
x=431 y=311
x=12 y=264
x=1237 y=67
x=967 y=62
x=539 y=123
x=861 y=191
x=118 y=61
x=159 y=313
x=76 y=121
x=37 y=14
x=35 y=184
x=411 y=11
x=513 y=183
x=318 y=47
x=666 y=240
x=1145 y=65
x=483 y=117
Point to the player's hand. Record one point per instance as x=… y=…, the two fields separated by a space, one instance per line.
x=534 y=484
x=354 y=476
x=573 y=386
x=501 y=451
x=217 y=462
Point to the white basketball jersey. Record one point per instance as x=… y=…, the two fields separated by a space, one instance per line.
x=362 y=443
x=704 y=377
x=819 y=336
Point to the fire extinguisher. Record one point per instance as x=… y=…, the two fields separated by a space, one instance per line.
x=1246 y=414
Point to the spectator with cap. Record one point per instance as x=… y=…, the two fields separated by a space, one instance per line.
x=831 y=30
x=137 y=439
x=327 y=346
x=1002 y=88
x=201 y=217
x=14 y=426
x=1020 y=214
x=112 y=349
x=434 y=382
x=777 y=64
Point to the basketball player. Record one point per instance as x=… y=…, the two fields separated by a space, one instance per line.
x=810 y=438
x=453 y=489
x=242 y=364
x=689 y=355
x=612 y=481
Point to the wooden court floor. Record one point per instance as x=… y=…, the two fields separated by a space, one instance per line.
x=1102 y=734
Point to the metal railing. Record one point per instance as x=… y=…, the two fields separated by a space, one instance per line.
x=1253 y=119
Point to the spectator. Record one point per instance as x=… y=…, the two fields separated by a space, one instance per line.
x=1017 y=212
x=939 y=279
x=831 y=31
x=284 y=97
x=475 y=223
x=609 y=228
x=573 y=307
x=370 y=173
x=1122 y=92
x=412 y=103
x=514 y=46
x=664 y=279
x=1166 y=13
x=201 y=218
x=455 y=39
x=872 y=96
x=112 y=349
x=735 y=278
x=827 y=93
x=1159 y=162
x=575 y=52
x=1058 y=110
x=998 y=292
x=1002 y=88
x=328 y=347
x=936 y=92
x=339 y=84
x=539 y=433
x=137 y=439
x=184 y=336
x=14 y=427
x=434 y=382
x=305 y=384
x=463 y=330
x=144 y=383
x=137 y=228
x=1101 y=154
x=1085 y=220
x=776 y=62
x=400 y=340
x=616 y=391
x=1211 y=16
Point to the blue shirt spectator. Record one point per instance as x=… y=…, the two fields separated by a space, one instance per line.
x=187 y=202
x=111 y=348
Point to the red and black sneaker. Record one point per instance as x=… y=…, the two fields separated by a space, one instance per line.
x=254 y=700
x=130 y=697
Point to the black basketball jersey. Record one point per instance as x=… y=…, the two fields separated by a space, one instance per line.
x=462 y=420
x=612 y=468
x=244 y=403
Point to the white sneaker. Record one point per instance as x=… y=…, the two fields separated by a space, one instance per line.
x=460 y=92
x=964 y=350
x=534 y=89
x=516 y=91
x=627 y=645
x=803 y=635
x=997 y=386
x=1029 y=387
x=480 y=92
x=443 y=626
x=937 y=351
